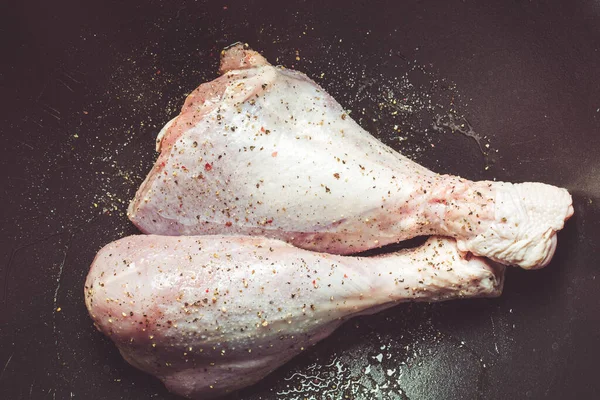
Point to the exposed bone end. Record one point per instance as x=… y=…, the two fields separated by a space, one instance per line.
x=239 y=56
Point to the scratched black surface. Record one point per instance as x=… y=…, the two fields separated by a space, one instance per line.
x=86 y=86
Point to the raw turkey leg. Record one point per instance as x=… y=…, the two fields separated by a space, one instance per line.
x=211 y=314
x=263 y=150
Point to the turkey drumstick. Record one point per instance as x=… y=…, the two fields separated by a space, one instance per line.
x=263 y=150
x=211 y=314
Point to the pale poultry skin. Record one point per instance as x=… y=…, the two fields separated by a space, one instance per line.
x=211 y=314
x=263 y=150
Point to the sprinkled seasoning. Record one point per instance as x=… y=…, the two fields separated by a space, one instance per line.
x=218 y=271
